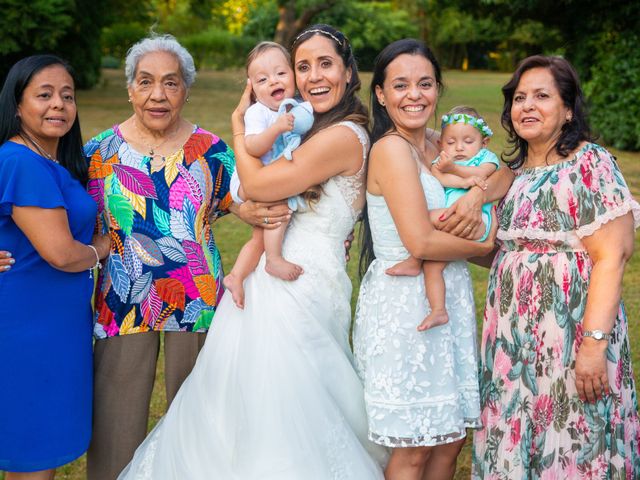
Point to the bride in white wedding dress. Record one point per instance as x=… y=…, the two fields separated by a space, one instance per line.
x=274 y=393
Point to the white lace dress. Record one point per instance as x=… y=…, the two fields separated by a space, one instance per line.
x=421 y=388
x=274 y=393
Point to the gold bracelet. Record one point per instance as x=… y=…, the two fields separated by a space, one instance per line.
x=239 y=133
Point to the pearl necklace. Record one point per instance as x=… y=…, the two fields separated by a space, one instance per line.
x=39 y=148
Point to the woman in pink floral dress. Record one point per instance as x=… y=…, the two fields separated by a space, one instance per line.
x=557 y=388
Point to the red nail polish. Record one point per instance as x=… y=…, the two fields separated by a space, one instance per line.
x=441 y=217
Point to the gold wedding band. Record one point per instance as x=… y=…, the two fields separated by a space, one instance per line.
x=266 y=221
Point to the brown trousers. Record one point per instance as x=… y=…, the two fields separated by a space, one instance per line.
x=124 y=373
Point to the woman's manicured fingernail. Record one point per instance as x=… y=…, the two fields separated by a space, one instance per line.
x=7 y=267
x=12 y=261
x=7 y=255
x=441 y=217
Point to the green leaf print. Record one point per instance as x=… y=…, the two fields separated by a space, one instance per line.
x=529 y=378
x=227 y=159
x=547 y=460
x=104 y=134
x=506 y=292
x=625 y=358
x=587 y=210
x=122 y=210
x=597 y=417
x=513 y=405
x=560 y=404
x=505 y=214
x=565 y=220
x=545 y=276
x=546 y=201
x=204 y=320
x=543 y=179
x=162 y=220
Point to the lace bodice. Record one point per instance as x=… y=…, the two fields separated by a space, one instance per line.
x=328 y=222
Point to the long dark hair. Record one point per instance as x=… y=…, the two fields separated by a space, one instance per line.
x=70 y=153
x=566 y=79
x=382 y=122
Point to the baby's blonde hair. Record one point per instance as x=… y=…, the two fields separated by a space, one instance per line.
x=262 y=47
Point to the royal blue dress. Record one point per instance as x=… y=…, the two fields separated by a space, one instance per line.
x=45 y=323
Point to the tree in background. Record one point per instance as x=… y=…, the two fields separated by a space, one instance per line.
x=599 y=37
x=31 y=27
x=294 y=16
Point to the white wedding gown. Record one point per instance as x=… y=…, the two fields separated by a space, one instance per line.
x=274 y=394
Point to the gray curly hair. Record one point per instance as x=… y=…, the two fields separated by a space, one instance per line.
x=160 y=43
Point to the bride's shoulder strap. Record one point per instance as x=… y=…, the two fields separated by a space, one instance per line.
x=361 y=133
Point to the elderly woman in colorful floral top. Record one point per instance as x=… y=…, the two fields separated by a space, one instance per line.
x=158 y=180
x=557 y=389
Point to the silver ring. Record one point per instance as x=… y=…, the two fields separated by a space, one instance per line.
x=265 y=221
x=468 y=227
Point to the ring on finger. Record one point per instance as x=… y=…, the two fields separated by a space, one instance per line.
x=266 y=221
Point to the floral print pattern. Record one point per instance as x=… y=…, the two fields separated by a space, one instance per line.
x=421 y=388
x=164 y=272
x=534 y=424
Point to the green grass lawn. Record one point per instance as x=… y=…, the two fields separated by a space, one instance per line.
x=212 y=99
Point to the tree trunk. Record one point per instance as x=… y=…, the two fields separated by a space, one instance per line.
x=285 y=30
x=290 y=25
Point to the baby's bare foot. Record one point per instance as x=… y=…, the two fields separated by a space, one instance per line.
x=280 y=268
x=234 y=284
x=436 y=318
x=411 y=267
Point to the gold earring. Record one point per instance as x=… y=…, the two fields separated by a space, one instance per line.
x=382 y=103
x=129 y=100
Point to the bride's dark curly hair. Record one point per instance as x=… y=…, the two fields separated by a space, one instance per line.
x=573 y=132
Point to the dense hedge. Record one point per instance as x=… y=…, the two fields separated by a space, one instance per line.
x=614 y=90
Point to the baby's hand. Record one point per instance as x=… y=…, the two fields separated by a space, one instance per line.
x=444 y=163
x=284 y=122
x=476 y=181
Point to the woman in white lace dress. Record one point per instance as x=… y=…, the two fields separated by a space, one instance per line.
x=274 y=394
x=421 y=387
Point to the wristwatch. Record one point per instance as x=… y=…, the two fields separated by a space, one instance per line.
x=596 y=334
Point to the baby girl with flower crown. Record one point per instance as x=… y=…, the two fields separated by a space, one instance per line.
x=464 y=162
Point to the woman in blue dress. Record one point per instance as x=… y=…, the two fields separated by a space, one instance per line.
x=47 y=222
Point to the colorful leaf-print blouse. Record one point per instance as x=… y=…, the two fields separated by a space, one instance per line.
x=164 y=271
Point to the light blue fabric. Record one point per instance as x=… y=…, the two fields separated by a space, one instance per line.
x=421 y=388
x=286 y=143
x=452 y=194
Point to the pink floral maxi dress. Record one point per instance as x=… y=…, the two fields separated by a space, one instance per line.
x=534 y=424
